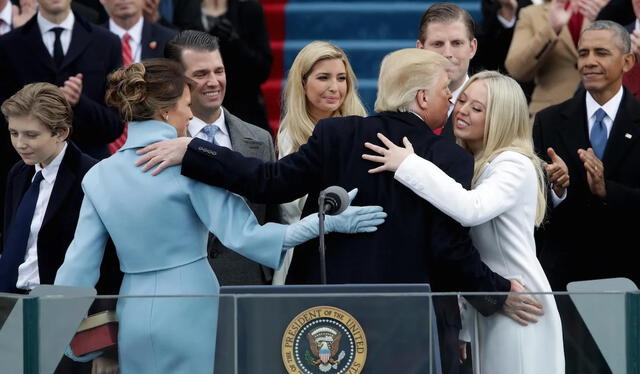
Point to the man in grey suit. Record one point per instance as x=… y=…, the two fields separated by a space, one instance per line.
x=199 y=54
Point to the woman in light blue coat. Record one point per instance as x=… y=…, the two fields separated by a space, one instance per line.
x=159 y=226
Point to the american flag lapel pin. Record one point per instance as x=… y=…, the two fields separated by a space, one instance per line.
x=153 y=44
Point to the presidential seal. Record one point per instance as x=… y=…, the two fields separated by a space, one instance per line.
x=324 y=339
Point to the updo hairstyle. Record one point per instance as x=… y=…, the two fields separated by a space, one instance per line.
x=142 y=89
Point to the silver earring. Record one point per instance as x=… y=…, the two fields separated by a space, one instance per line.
x=166 y=117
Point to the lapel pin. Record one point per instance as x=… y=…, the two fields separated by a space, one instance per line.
x=628 y=136
x=153 y=44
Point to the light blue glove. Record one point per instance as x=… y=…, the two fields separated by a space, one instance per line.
x=355 y=219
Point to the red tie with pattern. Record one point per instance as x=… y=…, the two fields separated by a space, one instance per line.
x=127 y=59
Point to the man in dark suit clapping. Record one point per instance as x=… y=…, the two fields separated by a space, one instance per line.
x=589 y=234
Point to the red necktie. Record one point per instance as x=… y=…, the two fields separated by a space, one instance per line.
x=575 y=25
x=127 y=59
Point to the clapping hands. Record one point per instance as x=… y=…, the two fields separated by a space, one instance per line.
x=557 y=173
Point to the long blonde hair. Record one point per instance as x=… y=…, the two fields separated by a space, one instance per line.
x=507 y=128
x=296 y=123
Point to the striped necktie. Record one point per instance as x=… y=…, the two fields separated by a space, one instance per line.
x=127 y=59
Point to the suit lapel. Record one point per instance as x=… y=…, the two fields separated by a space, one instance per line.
x=573 y=131
x=147 y=38
x=64 y=183
x=241 y=139
x=33 y=38
x=80 y=38
x=624 y=133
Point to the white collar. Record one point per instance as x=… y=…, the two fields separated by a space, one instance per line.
x=50 y=171
x=637 y=24
x=46 y=25
x=6 y=13
x=456 y=93
x=196 y=124
x=610 y=107
x=135 y=32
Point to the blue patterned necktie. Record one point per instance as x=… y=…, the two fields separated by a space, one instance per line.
x=18 y=236
x=598 y=136
x=210 y=132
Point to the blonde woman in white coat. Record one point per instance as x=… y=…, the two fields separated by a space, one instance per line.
x=506 y=203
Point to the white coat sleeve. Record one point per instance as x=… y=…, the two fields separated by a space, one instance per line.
x=498 y=191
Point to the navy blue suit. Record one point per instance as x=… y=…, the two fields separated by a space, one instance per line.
x=416 y=244
x=154 y=38
x=60 y=219
x=153 y=32
x=94 y=52
x=587 y=237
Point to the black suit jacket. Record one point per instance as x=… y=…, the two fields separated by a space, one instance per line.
x=586 y=237
x=94 y=52
x=154 y=38
x=416 y=244
x=61 y=216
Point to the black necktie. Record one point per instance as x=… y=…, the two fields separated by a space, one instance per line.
x=18 y=236
x=58 y=55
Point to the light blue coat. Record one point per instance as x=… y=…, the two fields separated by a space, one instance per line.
x=159 y=225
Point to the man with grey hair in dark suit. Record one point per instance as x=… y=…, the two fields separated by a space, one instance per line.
x=199 y=54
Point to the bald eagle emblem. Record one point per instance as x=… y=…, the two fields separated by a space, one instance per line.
x=324 y=343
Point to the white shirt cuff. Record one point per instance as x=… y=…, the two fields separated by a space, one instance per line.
x=555 y=199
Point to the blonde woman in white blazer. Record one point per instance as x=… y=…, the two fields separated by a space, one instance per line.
x=506 y=203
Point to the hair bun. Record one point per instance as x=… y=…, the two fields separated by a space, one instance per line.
x=126 y=87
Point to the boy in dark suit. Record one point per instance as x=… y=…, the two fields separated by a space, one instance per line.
x=61 y=48
x=43 y=191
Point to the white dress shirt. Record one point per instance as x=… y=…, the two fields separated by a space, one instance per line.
x=135 y=32
x=28 y=274
x=610 y=107
x=49 y=37
x=455 y=94
x=6 y=15
x=222 y=137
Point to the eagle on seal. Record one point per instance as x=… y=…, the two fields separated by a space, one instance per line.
x=324 y=343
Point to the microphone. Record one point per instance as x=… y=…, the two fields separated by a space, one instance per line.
x=333 y=200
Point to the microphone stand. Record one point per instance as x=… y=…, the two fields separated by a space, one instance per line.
x=322 y=249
